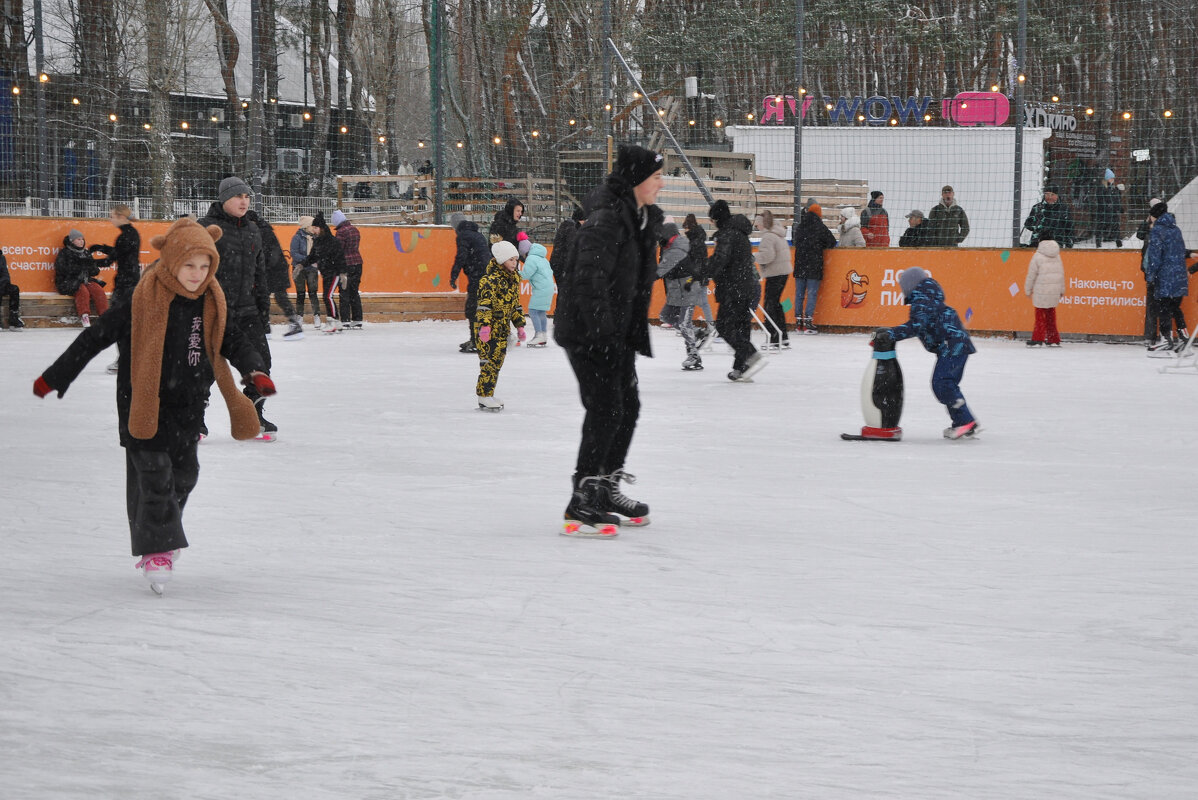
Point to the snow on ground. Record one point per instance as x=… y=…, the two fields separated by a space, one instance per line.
x=379 y=605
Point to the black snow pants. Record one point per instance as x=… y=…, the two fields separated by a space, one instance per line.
x=157 y=485
x=607 y=383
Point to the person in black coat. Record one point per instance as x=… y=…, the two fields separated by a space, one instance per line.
x=737 y=287
x=563 y=240
x=329 y=257
x=13 y=293
x=168 y=362
x=242 y=273
x=504 y=227
x=278 y=277
x=811 y=238
x=125 y=254
x=919 y=233
x=473 y=255
x=602 y=322
x=75 y=272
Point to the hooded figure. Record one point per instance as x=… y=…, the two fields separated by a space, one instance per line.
x=737 y=287
x=1165 y=269
x=504 y=226
x=175 y=339
x=563 y=240
x=875 y=222
x=471 y=259
x=1045 y=284
x=850 y=228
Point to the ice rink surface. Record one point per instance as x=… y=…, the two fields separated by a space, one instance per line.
x=378 y=606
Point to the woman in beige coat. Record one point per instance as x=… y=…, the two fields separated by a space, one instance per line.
x=1045 y=284
x=773 y=262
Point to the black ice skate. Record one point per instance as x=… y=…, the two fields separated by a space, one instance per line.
x=632 y=513
x=584 y=517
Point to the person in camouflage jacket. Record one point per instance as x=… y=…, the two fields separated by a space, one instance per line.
x=498 y=309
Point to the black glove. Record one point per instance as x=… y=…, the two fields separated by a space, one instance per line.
x=453 y=285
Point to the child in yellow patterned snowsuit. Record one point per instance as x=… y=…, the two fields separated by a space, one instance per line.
x=498 y=309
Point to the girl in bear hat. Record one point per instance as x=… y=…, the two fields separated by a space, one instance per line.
x=173 y=338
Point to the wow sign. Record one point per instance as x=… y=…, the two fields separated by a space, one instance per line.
x=966 y=108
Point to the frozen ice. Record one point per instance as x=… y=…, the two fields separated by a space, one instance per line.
x=378 y=605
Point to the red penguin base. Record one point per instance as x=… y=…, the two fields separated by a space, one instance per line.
x=869 y=434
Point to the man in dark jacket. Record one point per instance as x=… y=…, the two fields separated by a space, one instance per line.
x=472 y=257
x=948 y=224
x=918 y=233
x=278 y=277
x=242 y=274
x=563 y=240
x=124 y=254
x=602 y=322
x=504 y=227
x=737 y=288
x=1050 y=219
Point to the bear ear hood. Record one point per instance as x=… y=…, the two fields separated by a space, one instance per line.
x=1049 y=248
x=184 y=238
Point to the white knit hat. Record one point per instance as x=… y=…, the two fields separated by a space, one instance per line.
x=504 y=251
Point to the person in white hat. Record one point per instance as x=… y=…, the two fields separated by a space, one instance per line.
x=498 y=310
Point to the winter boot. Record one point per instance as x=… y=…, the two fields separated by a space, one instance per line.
x=295 y=331
x=489 y=403
x=584 y=516
x=632 y=513
x=692 y=363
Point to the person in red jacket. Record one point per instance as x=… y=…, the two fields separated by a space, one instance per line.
x=875 y=223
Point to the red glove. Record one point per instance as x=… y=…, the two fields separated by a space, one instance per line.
x=262 y=382
x=41 y=388
x=484 y=334
x=520 y=334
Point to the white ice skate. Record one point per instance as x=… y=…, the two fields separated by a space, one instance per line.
x=157 y=567
x=489 y=403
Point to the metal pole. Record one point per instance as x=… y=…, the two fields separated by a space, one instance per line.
x=39 y=59
x=1020 y=65
x=256 y=109
x=798 y=199
x=435 y=72
x=608 y=98
x=669 y=134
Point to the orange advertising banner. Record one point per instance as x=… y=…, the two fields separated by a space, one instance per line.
x=1104 y=291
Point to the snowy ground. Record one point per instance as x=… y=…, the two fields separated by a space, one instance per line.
x=379 y=605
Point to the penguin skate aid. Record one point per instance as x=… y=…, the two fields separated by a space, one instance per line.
x=881 y=393
x=941 y=332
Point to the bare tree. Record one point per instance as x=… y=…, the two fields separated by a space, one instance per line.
x=159 y=84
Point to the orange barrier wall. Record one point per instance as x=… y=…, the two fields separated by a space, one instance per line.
x=1104 y=288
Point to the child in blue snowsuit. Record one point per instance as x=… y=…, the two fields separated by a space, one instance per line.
x=940 y=330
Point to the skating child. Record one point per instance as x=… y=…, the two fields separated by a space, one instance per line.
x=174 y=337
x=941 y=332
x=1045 y=284
x=539 y=274
x=672 y=267
x=498 y=309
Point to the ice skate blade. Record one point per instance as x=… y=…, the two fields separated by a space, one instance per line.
x=266 y=438
x=157 y=588
x=634 y=522
x=492 y=409
x=295 y=337
x=580 y=530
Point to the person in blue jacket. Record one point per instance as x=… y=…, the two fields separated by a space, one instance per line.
x=538 y=272
x=940 y=330
x=1165 y=269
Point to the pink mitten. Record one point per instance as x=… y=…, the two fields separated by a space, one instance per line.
x=484 y=333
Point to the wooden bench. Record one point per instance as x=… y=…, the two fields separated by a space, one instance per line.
x=47 y=310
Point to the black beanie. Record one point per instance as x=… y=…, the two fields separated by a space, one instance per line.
x=1159 y=210
x=635 y=164
x=874 y=195
x=719 y=212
